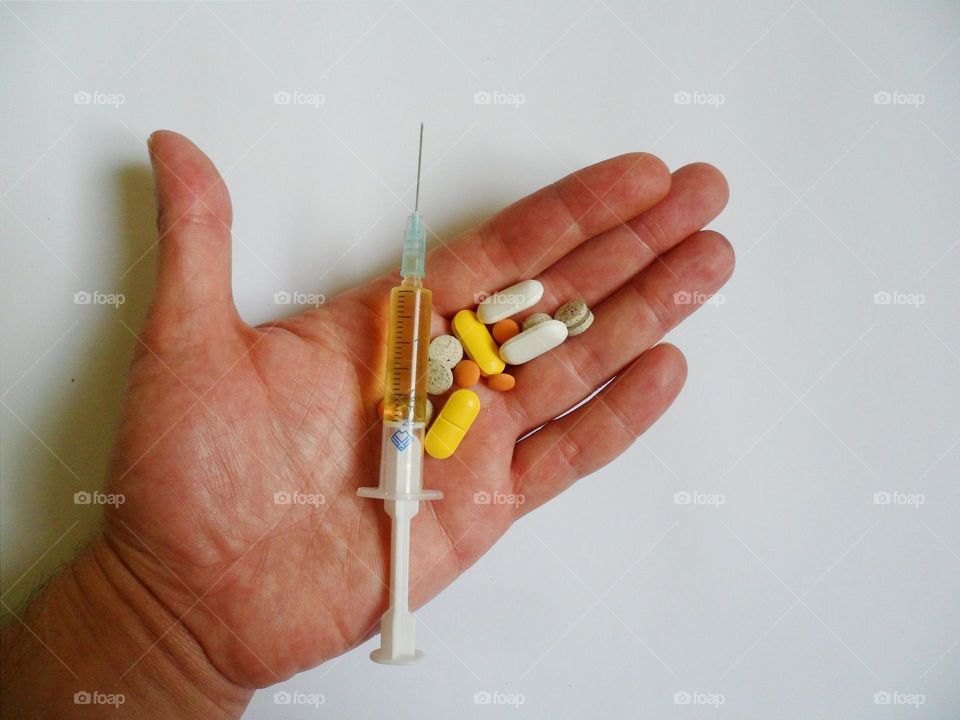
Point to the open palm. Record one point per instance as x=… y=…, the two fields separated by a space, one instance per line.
x=224 y=422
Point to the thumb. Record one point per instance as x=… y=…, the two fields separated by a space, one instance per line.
x=193 y=219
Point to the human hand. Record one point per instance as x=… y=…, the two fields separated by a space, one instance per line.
x=220 y=416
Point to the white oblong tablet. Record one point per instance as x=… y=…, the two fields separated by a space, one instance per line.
x=541 y=338
x=509 y=301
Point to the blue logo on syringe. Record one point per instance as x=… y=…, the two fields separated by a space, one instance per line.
x=402 y=439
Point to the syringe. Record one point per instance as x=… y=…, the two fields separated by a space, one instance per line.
x=401 y=447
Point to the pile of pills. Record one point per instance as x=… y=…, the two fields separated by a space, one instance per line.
x=483 y=344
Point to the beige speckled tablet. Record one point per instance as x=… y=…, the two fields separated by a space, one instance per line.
x=575 y=315
x=439 y=378
x=534 y=319
x=446 y=350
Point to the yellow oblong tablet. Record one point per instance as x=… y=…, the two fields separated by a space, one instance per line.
x=477 y=342
x=451 y=425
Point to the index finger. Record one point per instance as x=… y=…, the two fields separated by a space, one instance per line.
x=533 y=233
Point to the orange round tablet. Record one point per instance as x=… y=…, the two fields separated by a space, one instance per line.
x=380 y=408
x=466 y=373
x=505 y=329
x=501 y=382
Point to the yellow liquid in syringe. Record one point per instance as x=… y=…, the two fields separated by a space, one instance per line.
x=408 y=342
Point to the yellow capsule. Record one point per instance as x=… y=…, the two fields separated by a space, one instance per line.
x=478 y=342
x=451 y=424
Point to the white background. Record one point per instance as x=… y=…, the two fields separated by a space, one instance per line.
x=799 y=596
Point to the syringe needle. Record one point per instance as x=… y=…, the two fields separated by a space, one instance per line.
x=415 y=239
x=416 y=203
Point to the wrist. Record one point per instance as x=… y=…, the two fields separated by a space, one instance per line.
x=97 y=636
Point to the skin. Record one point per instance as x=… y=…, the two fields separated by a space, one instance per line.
x=243 y=592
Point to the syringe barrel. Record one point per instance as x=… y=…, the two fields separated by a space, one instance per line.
x=408 y=342
x=401 y=458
